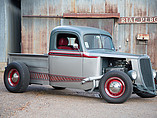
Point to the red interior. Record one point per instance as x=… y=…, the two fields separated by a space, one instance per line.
x=63 y=44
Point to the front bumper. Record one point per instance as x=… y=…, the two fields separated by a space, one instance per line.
x=141 y=89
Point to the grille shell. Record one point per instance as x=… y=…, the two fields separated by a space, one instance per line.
x=146 y=71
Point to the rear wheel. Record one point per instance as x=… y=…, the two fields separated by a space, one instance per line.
x=115 y=87
x=16 y=77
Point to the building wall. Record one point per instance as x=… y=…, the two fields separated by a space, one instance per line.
x=10 y=29
x=127 y=32
x=2 y=34
x=12 y=26
x=37 y=22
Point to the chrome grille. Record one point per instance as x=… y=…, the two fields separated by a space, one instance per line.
x=146 y=71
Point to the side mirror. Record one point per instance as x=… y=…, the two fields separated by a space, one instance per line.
x=75 y=46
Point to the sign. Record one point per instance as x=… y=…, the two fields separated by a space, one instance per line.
x=143 y=37
x=132 y=20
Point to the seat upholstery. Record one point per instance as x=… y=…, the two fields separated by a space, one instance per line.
x=63 y=44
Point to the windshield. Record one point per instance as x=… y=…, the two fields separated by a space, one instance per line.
x=98 y=42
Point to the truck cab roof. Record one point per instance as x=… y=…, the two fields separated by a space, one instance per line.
x=82 y=30
x=77 y=33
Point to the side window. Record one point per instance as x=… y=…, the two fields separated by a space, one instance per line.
x=67 y=42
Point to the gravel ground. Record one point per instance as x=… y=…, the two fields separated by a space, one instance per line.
x=44 y=101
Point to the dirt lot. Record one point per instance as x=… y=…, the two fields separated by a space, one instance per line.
x=44 y=101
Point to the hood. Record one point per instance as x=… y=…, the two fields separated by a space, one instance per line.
x=114 y=54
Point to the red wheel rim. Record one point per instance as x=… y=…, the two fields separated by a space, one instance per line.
x=114 y=87
x=13 y=77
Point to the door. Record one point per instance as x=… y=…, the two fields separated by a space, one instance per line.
x=65 y=61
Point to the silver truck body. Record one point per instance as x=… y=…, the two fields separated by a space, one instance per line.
x=83 y=68
x=67 y=71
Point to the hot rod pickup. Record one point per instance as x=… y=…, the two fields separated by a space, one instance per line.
x=83 y=58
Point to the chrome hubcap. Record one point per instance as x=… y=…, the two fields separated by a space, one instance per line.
x=115 y=87
x=15 y=77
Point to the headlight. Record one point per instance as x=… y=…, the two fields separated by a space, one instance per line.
x=154 y=73
x=132 y=74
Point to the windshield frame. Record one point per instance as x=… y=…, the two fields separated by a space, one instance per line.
x=111 y=42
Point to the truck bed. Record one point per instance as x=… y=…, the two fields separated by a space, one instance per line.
x=37 y=63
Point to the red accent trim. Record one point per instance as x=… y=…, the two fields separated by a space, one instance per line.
x=55 y=75
x=84 y=55
x=70 y=54
x=109 y=92
x=65 y=54
x=10 y=76
x=55 y=78
x=61 y=54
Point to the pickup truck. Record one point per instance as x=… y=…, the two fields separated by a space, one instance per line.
x=83 y=58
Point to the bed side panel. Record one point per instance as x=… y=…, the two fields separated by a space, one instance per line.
x=37 y=64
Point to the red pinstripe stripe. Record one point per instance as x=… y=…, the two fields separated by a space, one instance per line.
x=54 y=78
x=70 y=54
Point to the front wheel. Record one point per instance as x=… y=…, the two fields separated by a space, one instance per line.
x=115 y=87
